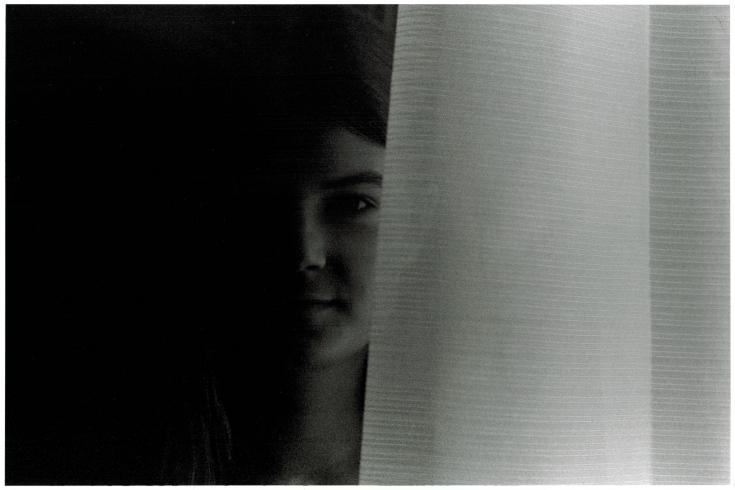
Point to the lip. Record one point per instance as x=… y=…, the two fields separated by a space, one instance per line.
x=315 y=313
x=317 y=303
x=310 y=305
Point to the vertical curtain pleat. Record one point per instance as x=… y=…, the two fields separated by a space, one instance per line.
x=512 y=330
x=690 y=294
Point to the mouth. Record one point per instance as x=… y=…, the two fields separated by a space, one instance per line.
x=316 y=304
x=317 y=309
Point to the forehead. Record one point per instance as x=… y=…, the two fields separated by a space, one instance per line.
x=312 y=158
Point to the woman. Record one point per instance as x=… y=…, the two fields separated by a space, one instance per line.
x=286 y=242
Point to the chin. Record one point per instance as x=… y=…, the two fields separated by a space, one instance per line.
x=329 y=346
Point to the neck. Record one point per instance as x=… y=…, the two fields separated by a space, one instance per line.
x=323 y=441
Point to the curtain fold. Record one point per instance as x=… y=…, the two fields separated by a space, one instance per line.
x=512 y=327
x=690 y=281
x=553 y=300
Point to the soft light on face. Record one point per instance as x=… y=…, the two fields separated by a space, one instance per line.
x=337 y=195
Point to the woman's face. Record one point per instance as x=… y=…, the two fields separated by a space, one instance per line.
x=332 y=188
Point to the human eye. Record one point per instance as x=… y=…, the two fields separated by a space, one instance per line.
x=350 y=206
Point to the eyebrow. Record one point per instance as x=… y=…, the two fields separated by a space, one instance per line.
x=369 y=177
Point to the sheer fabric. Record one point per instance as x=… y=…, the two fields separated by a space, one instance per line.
x=513 y=328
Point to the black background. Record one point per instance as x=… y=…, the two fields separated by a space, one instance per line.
x=112 y=117
x=101 y=106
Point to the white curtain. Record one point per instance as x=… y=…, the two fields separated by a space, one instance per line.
x=690 y=283
x=512 y=337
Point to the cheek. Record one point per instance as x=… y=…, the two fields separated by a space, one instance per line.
x=355 y=251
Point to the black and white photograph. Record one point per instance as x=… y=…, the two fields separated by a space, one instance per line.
x=367 y=244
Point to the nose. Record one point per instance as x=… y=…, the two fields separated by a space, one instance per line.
x=312 y=241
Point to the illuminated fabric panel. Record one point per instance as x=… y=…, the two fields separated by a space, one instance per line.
x=689 y=244
x=512 y=330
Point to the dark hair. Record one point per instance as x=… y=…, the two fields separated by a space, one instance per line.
x=290 y=67
x=198 y=446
